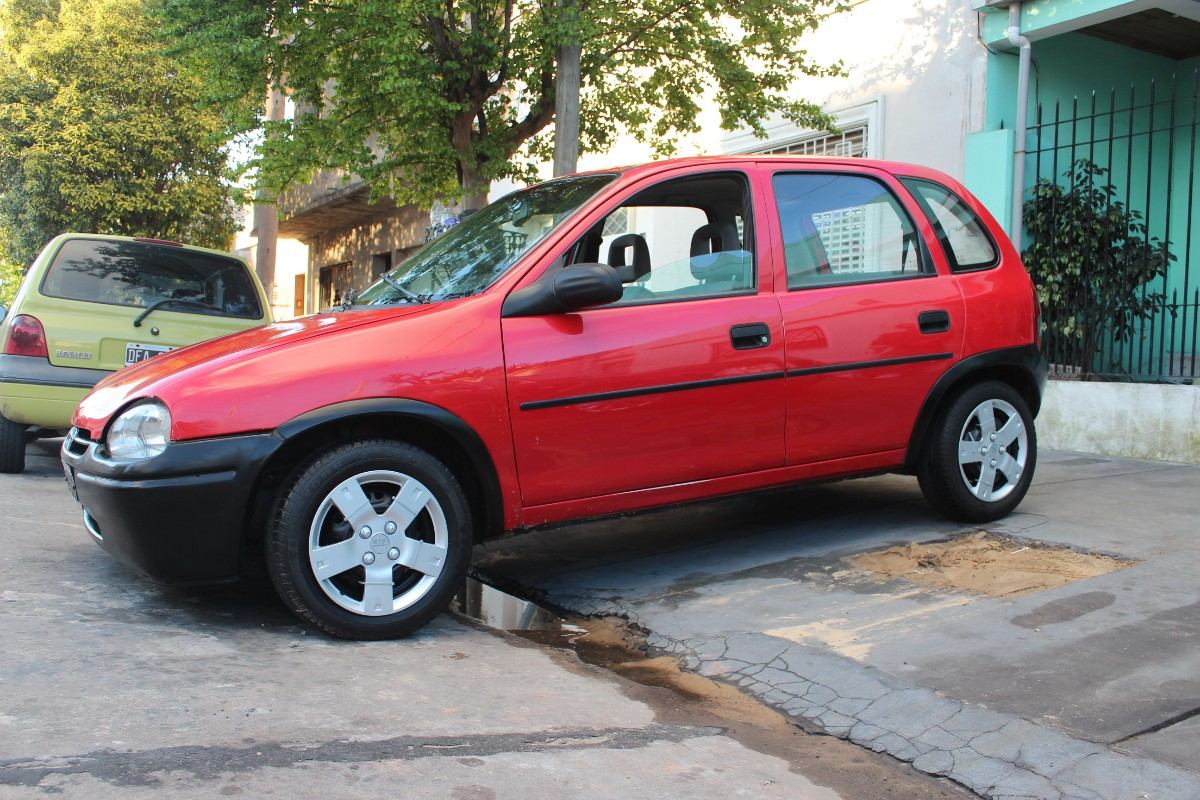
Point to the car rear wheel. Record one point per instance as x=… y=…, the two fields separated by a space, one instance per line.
x=981 y=454
x=12 y=447
x=371 y=540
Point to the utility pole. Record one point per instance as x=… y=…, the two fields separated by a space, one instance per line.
x=566 y=95
x=266 y=216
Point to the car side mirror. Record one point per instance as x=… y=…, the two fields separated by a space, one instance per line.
x=570 y=288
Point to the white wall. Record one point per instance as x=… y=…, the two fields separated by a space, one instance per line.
x=1138 y=420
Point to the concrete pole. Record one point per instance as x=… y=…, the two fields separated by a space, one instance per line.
x=266 y=215
x=566 y=100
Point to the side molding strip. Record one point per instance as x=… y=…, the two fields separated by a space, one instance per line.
x=619 y=394
x=886 y=362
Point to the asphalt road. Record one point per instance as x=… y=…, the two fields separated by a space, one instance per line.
x=113 y=688
x=1089 y=690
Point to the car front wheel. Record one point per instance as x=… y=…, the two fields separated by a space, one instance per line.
x=12 y=447
x=371 y=540
x=981 y=454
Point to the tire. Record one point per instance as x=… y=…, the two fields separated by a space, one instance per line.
x=973 y=470
x=340 y=546
x=12 y=447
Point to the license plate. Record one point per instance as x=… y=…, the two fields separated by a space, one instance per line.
x=136 y=353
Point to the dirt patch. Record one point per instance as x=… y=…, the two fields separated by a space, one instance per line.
x=987 y=563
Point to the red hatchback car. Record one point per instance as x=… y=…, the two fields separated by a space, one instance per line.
x=591 y=345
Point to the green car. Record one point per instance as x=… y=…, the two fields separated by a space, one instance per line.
x=93 y=304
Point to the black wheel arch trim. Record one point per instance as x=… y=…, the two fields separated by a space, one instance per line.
x=447 y=422
x=1026 y=359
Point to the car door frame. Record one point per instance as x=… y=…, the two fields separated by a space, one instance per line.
x=765 y=272
x=929 y=250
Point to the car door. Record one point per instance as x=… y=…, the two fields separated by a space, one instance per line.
x=679 y=381
x=871 y=315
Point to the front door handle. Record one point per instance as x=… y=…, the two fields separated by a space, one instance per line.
x=937 y=321
x=750 y=336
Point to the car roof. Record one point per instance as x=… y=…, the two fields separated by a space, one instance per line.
x=108 y=237
x=893 y=167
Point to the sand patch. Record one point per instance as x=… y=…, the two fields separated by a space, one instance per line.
x=988 y=563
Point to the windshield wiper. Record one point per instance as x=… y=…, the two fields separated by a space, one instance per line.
x=457 y=295
x=137 y=323
x=411 y=296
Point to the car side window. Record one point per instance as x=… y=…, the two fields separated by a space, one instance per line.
x=963 y=235
x=841 y=228
x=680 y=239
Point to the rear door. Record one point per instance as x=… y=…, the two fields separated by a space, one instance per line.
x=95 y=290
x=679 y=381
x=871 y=314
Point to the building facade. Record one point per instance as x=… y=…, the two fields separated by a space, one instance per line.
x=351 y=241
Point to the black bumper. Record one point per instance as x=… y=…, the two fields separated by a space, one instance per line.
x=179 y=517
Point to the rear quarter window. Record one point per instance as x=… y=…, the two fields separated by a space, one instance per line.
x=963 y=235
x=140 y=274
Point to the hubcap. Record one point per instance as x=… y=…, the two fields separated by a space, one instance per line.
x=993 y=448
x=399 y=550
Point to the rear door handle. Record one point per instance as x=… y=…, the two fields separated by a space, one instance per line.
x=750 y=336
x=937 y=321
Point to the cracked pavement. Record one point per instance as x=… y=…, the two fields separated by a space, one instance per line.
x=1086 y=691
x=113 y=688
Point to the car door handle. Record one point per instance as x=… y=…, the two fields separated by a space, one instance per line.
x=750 y=336
x=933 y=321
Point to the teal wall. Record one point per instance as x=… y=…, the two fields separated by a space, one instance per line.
x=988 y=171
x=1152 y=172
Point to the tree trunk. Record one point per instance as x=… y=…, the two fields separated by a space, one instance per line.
x=266 y=215
x=566 y=100
x=474 y=186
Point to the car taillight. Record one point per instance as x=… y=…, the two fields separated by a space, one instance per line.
x=25 y=337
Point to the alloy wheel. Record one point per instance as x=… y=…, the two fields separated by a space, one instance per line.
x=993 y=448
x=378 y=542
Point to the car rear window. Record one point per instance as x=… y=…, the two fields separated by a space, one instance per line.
x=140 y=274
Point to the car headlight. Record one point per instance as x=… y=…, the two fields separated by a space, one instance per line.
x=139 y=432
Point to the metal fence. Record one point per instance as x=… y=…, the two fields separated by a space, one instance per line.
x=1145 y=138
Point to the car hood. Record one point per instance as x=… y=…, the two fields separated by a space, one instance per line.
x=150 y=377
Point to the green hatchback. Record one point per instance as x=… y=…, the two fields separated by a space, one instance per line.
x=92 y=304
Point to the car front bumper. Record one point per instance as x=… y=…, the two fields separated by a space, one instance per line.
x=178 y=518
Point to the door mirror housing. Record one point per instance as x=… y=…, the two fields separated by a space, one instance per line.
x=570 y=288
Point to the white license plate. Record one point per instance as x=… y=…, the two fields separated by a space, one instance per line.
x=137 y=353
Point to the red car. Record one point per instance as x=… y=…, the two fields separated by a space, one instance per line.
x=591 y=345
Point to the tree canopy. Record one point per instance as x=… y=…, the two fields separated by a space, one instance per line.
x=101 y=131
x=425 y=99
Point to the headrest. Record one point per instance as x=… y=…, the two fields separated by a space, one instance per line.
x=731 y=266
x=714 y=237
x=640 y=267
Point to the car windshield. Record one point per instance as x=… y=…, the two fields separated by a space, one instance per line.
x=472 y=255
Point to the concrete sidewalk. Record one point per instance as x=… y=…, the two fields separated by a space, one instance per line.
x=1087 y=690
x=112 y=688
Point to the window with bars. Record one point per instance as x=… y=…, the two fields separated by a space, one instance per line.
x=849 y=143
